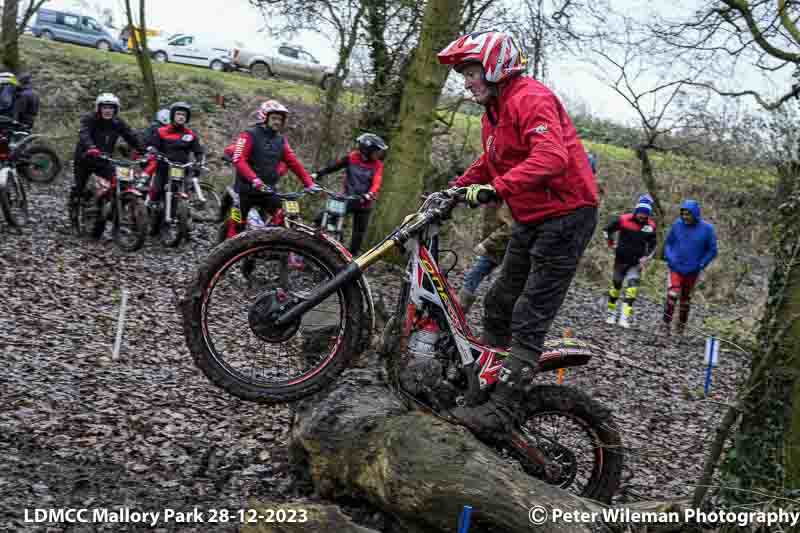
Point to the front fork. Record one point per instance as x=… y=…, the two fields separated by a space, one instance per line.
x=198 y=190
x=168 y=205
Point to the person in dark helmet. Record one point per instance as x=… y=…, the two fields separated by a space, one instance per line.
x=177 y=142
x=99 y=132
x=533 y=161
x=634 y=249
x=363 y=176
x=26 y=105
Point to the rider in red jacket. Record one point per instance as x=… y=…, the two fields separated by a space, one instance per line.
x=257 y=157
x=534 y=161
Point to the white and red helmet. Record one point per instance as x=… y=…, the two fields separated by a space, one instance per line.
x=496 y=51
x=269 y=107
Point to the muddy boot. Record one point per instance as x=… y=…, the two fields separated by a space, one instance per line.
x=466 y=299
x=494 y=419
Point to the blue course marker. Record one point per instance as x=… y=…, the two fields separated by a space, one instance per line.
x=463 y=520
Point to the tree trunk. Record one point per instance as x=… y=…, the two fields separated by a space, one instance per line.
x=408 y=160
x=376 y=118
x=143 y=58
x=327 y=139
x=360 y=441
x=766 y=451
x=10 y=52
x=649 y=180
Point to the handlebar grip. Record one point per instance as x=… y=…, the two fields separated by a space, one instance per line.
x=485 y=197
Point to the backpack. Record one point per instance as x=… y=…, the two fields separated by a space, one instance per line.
x=8 y=93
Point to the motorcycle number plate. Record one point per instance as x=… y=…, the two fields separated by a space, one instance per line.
x=336 y=206
x=175 y=172
x=124 y=173
x=291 y=207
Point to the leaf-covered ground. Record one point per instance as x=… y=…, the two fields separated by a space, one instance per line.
x=148 y=431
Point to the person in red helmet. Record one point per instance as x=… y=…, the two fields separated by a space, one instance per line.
x=257 y=157
x=533 y=161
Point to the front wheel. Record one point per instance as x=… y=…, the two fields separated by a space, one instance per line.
x=15 y=202
x=226 y=317
x=130 y=224
x=578 y=436
x=209 y=210
x=177 y=230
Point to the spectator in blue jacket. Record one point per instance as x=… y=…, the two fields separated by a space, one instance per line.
x=690 y=247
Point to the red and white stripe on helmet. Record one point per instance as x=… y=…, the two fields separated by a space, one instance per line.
x=269 y=107
x=496 y=51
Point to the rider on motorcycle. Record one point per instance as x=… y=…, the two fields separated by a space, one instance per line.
x=176 y=141
x=98 y=134
x=257 y=157
x=363 y=176
x=161 y=118
x=534 y=161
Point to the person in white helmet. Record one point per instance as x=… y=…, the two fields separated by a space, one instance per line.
x=99 y=132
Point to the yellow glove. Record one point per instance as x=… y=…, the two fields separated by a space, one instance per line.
x=474 y=191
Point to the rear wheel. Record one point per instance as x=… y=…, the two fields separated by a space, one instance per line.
x=578 y=436
x=226 y=317
x=261 y=70
x=41 y=164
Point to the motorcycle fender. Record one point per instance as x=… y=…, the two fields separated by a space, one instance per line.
x=183 y=195
x=363 y=285
x=133 y=192
x=19 y=148
x=5 y=173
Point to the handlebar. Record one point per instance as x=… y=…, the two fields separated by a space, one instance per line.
x=161 y=157
x=341 y=196
x=120 y=162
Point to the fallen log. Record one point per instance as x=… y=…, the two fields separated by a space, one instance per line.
x=360 y=440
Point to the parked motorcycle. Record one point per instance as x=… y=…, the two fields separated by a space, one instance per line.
x=118 y=200
x=205 y=201
x=334 y=213
x=285 y=340
x=37 y=163
x=170 y=218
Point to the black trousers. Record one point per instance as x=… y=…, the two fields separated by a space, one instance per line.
x=360 y=224
x=86 y=166
x=538 y=267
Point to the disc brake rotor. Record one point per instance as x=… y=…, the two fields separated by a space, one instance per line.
x=265 y=311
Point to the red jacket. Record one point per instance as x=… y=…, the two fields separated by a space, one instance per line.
x=361 y=176
x=532 y=155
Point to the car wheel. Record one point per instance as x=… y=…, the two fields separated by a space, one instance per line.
x=261 y=70
x=326 y=82
x=161 y=57
x=47 y=35
x=217 y=65
x=104 y=46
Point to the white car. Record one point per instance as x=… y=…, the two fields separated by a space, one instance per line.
x=287 y=60
x=190 y=50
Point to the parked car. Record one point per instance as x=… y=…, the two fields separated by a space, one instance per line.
x=190 y=50
x=287 y=60
x=73 y=28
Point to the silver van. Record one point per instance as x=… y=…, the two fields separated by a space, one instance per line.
x=73 y=28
